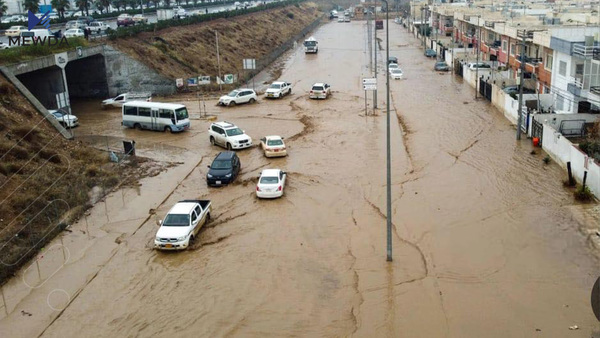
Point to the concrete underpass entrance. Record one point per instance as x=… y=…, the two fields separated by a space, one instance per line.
x=86 y=77
x=44 y=84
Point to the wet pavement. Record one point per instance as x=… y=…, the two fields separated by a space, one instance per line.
x=487 y=243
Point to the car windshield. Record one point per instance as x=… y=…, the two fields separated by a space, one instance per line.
x=269 y=180
x=221 y=164
x=233 y=93
x=234 y=132
x=57 y=114
x=440 y=64
x=317 y=88
x=181 y=114
x=310 y=43
x=396 y=71
x=274 y=142
x=275 y=86
x=176 y=220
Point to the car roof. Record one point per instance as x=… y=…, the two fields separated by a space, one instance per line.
x=321 y=84
x=225 y=155
x=182 y=208
x=279 y=82
x=270 y=172
x=240 y=89
x=158 y=105
x=225 y=124
x=273 y=137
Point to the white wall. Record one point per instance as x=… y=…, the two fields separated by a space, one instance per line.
x=559 y=82
x=563 y=151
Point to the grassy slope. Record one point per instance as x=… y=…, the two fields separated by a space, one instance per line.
x=191 y=51
x=38 y=166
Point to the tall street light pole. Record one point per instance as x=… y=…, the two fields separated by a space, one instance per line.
x=389 y=155
x=477 y=63
x=375 y=52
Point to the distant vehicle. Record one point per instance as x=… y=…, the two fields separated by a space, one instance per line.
x=179 y=12
x=393 y=66
x=237 y=5
x=86 y=19
x=334 y=13
x=441 y=66
x=278 y=89
x=66 y=120
x=273 y=146
x=396 y=74
x=430 y=53
x=80 y=24
x=4 y=45
x=122 y=98
x=311 y=45
x=228 y=135
x=319 y=91
x=155 y=116
x=181 y=225
x=514 y=90
x=341 y=19
x=392 y=59
x=125 y=20
x=479 y=65
x=14 y=18
x=35 y=34
x=346 y=19
x=271 y=183
x=52 y=16
x=15 y=30
x=238 y=96
x=224 y=169
x=140 y=19
x=6 y=19
x=97 y=27
x=74 y=33
x=378 y=24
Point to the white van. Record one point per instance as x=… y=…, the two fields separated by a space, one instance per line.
x=35 y=34
x=122 y=98
x=156 y=116
x=311 y=45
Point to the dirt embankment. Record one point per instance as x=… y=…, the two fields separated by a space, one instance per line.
x=187 y=51
x=47 y=181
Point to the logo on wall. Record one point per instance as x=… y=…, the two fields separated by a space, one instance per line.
x=35 y=37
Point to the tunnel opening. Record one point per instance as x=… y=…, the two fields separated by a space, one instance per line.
x=86 y=78
x=45 y=84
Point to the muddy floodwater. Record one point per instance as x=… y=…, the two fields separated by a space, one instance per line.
x=486 y=241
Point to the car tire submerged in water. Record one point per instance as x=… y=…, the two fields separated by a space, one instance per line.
x=229 y=146
x=168 y=129
x=137 y=126
x=231 y=104
x=212 y=140
x=252 y=101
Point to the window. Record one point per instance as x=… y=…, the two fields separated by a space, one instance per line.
x=166 y=114
x=194 y=217
x=144 y=112
x=562 y=68
x=512 y=49
x=197 y=209
x=548 y=62
x=560 y=103
x=504 y=46
x=128 y=110
x=579 y=69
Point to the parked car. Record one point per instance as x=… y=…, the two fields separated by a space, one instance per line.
x=441 y=66
x=393 y=66
x=181 y=225
x=66 y=120
x=320 y=91
x=273 y=146
x=242 y=95
x=126 y=97
x=75 y=24
x=430 y=53
x=15 y=30
x=224 y=169
x=341 y=19
x=4 y=45
x=86 y=19
x=479 y=65
x=97 y=27
x=6 y=19
x=392 y=59
x=271 y=183
x=140 y=18
x=125 y=20
x=346 y=19
x=514 y=90
x=73 y=33
x=396 y=74
x=278 y=89
x=228 y=135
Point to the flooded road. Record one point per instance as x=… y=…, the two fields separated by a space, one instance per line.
x=487 y=243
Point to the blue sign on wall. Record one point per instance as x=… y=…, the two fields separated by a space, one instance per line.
x=45 y=8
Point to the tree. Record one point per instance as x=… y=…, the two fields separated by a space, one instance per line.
x=83 y=5
x=31 y=5
x=3 y=7
x=61 y=6
x=99 y=5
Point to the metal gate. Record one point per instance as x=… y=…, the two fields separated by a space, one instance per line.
x=537 y=130
x=485 y=89
x=458 y=68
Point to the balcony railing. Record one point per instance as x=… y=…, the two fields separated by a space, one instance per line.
x=527 y=34
x=596 y=55
x=585 y=51
x=595 y=90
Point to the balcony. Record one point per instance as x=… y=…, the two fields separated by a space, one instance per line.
x=575 y=87
x=526 y=34
x=596 y=55
x=595 y=90
x=586 y=51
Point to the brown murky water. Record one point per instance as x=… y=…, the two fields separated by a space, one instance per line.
x=486 y=241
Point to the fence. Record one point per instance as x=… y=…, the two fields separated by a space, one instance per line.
x=563 y=151
x=485 y=89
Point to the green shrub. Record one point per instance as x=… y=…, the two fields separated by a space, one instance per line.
x=583 y=194
x=290 y=15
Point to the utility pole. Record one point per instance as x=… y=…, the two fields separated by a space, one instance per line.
x=375 y=50
x=422 y=35
x=389 y=156
x=219 y=61
x=522 y=68
x=369 y=41
x=477 y=63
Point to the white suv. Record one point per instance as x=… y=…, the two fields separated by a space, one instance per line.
x=228 y=135
x=242 y=95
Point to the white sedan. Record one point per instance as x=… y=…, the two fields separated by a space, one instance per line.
x=273 y=146
x=15 y=30
x=4 y=45
x=66 y=120
x=393 y=66
x=396 y=74
x=271 y=183
x=74 y=33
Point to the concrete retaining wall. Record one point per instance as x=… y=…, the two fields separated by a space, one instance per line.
x=124 y=74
